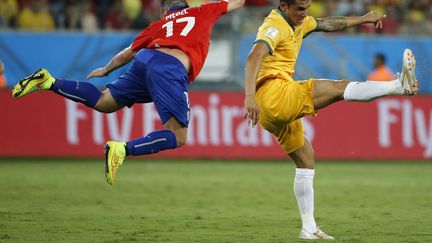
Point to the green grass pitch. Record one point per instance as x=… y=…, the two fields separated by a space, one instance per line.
x=210 y=201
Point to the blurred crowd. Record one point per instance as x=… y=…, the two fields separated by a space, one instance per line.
x=403 y=16
x=87 y=16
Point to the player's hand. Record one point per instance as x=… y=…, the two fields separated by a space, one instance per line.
x=98 y=72
x=374 y=17
x=252 y=110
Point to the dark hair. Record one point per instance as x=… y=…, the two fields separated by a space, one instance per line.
x=288 y=2
x=381 y=57
x=173 y=3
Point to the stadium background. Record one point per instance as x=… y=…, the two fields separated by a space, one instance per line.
x=71 y=38
x=213 y=189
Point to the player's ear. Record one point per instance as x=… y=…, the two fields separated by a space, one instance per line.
x=283 y=6
x=163 y=11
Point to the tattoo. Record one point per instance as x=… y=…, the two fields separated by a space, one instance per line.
x=331 y=24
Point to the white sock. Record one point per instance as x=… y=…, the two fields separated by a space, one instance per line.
x=304 y=193
x=370 y=90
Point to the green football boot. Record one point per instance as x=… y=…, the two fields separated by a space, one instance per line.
x=40 y=80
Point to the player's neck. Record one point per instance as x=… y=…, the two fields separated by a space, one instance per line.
x=287 y=19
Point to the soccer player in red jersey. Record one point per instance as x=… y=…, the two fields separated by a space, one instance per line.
x=168 y=55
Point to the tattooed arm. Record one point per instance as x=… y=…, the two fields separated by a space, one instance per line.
x=331 y=24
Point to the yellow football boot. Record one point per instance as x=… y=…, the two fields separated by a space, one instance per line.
x=40 y=80
x=115 y=153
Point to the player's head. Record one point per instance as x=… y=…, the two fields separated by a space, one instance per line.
x=167 y=4
x=296 y=10
x=1 y=67
x=379 y=60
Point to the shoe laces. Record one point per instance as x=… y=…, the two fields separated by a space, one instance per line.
x=320 y=232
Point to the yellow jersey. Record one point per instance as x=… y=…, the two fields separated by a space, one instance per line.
x=283 y=41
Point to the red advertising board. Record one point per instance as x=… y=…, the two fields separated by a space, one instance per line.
x=46 y=125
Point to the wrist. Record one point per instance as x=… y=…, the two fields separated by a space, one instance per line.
x=364 y=19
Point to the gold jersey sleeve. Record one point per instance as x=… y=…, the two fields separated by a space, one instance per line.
x=309 y=24
x=283 y=41
x=272 y=32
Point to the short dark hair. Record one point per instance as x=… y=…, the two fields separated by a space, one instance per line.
x=173 y=3
x=380 y=57
x=288 y=2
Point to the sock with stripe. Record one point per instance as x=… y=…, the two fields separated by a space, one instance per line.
x=152 y=143
x=83 y=92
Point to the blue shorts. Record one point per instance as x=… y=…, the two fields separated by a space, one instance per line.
x=155 y=77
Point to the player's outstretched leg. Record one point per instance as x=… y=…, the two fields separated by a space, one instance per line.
x=327 y=92
x=405 y=84
x=82 y=92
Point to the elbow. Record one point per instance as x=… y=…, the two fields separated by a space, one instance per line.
x=235 y=4
x=129 y=54
x=131 y=57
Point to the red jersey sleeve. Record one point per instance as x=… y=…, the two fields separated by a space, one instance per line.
x=216 y=9
x=142 y=40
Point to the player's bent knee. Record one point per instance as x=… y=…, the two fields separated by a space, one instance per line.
x=304 y=157
x=339 y=89
x=181 y=136
x=341 y=86
x=106 y=103
x=178 y=129
x=180 y=143
x=181 y=140
x=101 y=107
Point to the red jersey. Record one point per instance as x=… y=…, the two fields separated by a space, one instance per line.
x=186 y=29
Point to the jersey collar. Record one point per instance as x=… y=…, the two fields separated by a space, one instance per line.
x=288 y=20
x=176 y=8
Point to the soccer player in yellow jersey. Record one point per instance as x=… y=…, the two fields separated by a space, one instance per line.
x=277 y=102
